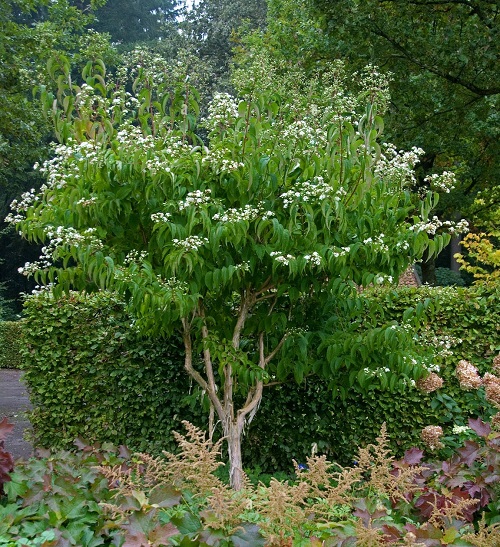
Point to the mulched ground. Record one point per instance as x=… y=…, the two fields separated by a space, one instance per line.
x=14 y=402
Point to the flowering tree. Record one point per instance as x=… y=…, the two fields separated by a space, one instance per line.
x=247 y=242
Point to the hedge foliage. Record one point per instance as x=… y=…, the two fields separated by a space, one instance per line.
x=10 y=340
x=91 y=375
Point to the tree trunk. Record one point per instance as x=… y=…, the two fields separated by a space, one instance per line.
x=455 y=248
x=233 y=432
x=428 y=269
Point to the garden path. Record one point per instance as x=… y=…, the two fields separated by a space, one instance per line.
x=14 y=402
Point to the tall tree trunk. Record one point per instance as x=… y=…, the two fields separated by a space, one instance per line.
x=428 y=269
x=233 y=432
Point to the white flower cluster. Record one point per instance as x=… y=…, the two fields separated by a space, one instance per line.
x=27 y=199
x=60 y=169
x=135 y=257
x=85 y=202
x=173 y=284
x=248 y=213
x=340 y=251
x=315 y=190
x=377 y=371
x=195 y=198
x=397 y=166
x=313 y=258
x=244 y=266
x=124 y=102
x=160 y=217
x=88 y=101
x=191 y=243
x=219 y=161
x=304 y=130
x=433 y=225
x=281 y=258
x=458 y=429
x=445 y=182
x=378 y=244
x=222 y=112
x=382 y=279
x=60 y=237
x=132 y=138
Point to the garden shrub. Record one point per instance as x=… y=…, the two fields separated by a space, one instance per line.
x=91 y=375
x=462 y=324
x=10 y=336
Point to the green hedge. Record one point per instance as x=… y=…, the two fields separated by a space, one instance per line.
x=90 y=374
x=10 y=343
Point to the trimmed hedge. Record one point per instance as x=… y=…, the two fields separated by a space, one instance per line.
x=10 y=343
x=90 y=374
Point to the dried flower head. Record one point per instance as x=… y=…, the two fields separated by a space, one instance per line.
x=492 y=388
x=430 y=383
x=495 y=421
x=496 y=364
x=467 y=375
x=431 y=436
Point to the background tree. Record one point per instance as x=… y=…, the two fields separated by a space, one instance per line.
x=212 y=29
x=443 y=60
x=251 y=247
x=130 y=22
x=31 y=32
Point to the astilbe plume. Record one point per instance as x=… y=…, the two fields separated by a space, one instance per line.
x=495 y=421
x=443 y=514
x=366 y=536
x=196 y=462
x=376 y=461
x=486 y=535
x=282 y=508
x=467 y=375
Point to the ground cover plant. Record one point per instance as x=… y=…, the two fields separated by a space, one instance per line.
x=249 y=244
x=101 y=495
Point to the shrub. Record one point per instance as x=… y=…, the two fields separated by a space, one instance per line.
x=10 y=339
x=108 y=496
x=91 y=375
x=446 y=277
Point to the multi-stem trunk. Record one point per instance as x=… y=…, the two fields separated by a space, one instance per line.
x=222 y=398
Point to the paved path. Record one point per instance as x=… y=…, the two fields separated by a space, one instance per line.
x=14 y=402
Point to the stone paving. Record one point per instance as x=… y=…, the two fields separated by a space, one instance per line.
x=14 y=402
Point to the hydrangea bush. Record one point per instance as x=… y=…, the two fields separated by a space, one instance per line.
x=251 y=241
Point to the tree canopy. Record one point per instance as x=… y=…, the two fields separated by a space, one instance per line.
x=443 y=61
x=251 y=245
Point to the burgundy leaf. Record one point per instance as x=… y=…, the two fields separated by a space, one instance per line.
x=481 y=428
x=164 y=496
x=159 y=535
x=124 y=452
x=469 y=452
x=413 y=456
x=391 y=533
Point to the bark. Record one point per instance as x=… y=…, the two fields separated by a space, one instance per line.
x=233 y=422
x=429 y=270
x=455 y=248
